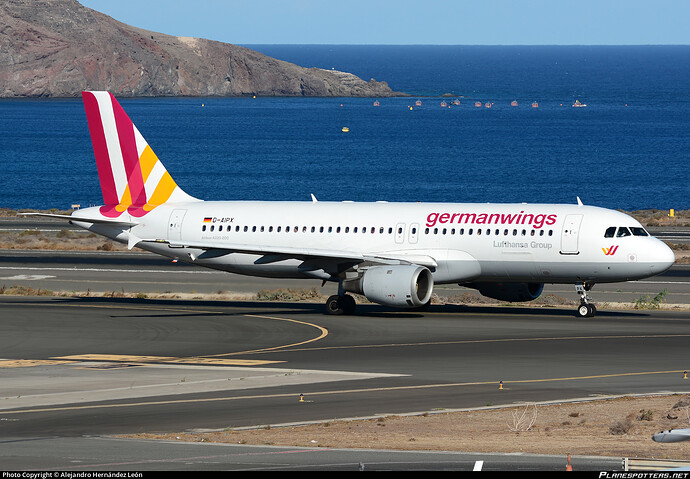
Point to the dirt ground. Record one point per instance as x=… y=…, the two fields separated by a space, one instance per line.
x=621 y=427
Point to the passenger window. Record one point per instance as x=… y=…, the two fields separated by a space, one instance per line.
x=203 y=228
x=622 y=232
x=639 y=231
x=610 y=232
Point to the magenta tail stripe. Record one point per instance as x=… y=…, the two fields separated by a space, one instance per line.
x=100 y=148
x=128 y=145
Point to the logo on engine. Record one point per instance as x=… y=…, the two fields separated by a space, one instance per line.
x=610 y=251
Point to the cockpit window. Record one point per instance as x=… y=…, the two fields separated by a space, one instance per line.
x=610 y=232
x=622 y=231
x=639 y=231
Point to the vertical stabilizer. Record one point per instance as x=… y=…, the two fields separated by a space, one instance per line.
x=132 y=177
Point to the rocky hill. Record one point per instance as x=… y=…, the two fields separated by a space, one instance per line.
x=57 y=48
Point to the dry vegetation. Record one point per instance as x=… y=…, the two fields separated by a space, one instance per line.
x=621 y=427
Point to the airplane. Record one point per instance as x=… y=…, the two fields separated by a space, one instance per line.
x=391 y=253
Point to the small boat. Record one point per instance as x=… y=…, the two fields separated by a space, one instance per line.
x=377 y=103
x=577 y=104
x=418 y=103
x=345 y=129
x=535 y=104
x=477 y=104
x=444 y=104
x=456 y=102
x=513 y=103
x=488 y=105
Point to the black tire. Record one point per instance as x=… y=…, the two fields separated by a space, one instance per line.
x=334 y=305
x=348 y=304
x=586 y=310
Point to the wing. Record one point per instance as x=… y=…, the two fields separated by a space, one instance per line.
x=317 y=258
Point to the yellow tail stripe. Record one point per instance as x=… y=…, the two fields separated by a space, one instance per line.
x=165 y=188
x=147 y=161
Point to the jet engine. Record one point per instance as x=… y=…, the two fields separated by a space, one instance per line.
x=511 y=292
x=400 y=286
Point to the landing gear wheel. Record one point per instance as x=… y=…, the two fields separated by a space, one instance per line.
x=340 y=305
x=333 y=305
x=348 y=304
x=586 y=310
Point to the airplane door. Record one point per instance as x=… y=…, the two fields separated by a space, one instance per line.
x=400 y=232
x=570 y=234
x=175 y=228
x=414 y=231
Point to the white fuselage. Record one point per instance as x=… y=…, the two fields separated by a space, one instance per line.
x=460 y=243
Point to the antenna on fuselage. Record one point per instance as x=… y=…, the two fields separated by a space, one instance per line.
x=579 y=201
x=313 y=198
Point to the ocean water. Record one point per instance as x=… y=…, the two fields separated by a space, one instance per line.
x=628 y=148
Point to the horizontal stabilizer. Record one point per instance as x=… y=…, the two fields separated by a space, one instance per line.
x=79 y=219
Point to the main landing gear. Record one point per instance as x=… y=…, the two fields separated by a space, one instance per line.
x=586 y=309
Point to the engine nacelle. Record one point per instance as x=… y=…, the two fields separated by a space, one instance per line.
x=511 y=292
x=400 y=286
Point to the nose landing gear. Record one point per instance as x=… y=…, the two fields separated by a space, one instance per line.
x=586 y=309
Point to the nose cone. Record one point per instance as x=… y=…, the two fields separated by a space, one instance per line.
x=662 y=257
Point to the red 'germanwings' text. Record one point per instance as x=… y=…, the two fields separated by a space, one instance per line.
x=521 y=218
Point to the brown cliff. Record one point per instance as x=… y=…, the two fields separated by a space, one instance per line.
x=57 y=48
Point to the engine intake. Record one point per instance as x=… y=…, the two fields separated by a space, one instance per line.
x=511 y=292
x=400 y=286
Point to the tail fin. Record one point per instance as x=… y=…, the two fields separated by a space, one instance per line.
x=132 y=178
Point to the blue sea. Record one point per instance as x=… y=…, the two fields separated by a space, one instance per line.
x=629 y=148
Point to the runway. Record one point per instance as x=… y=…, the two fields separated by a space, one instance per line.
x=92 y=367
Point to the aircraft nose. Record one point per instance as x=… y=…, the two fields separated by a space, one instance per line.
x=663 y=257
